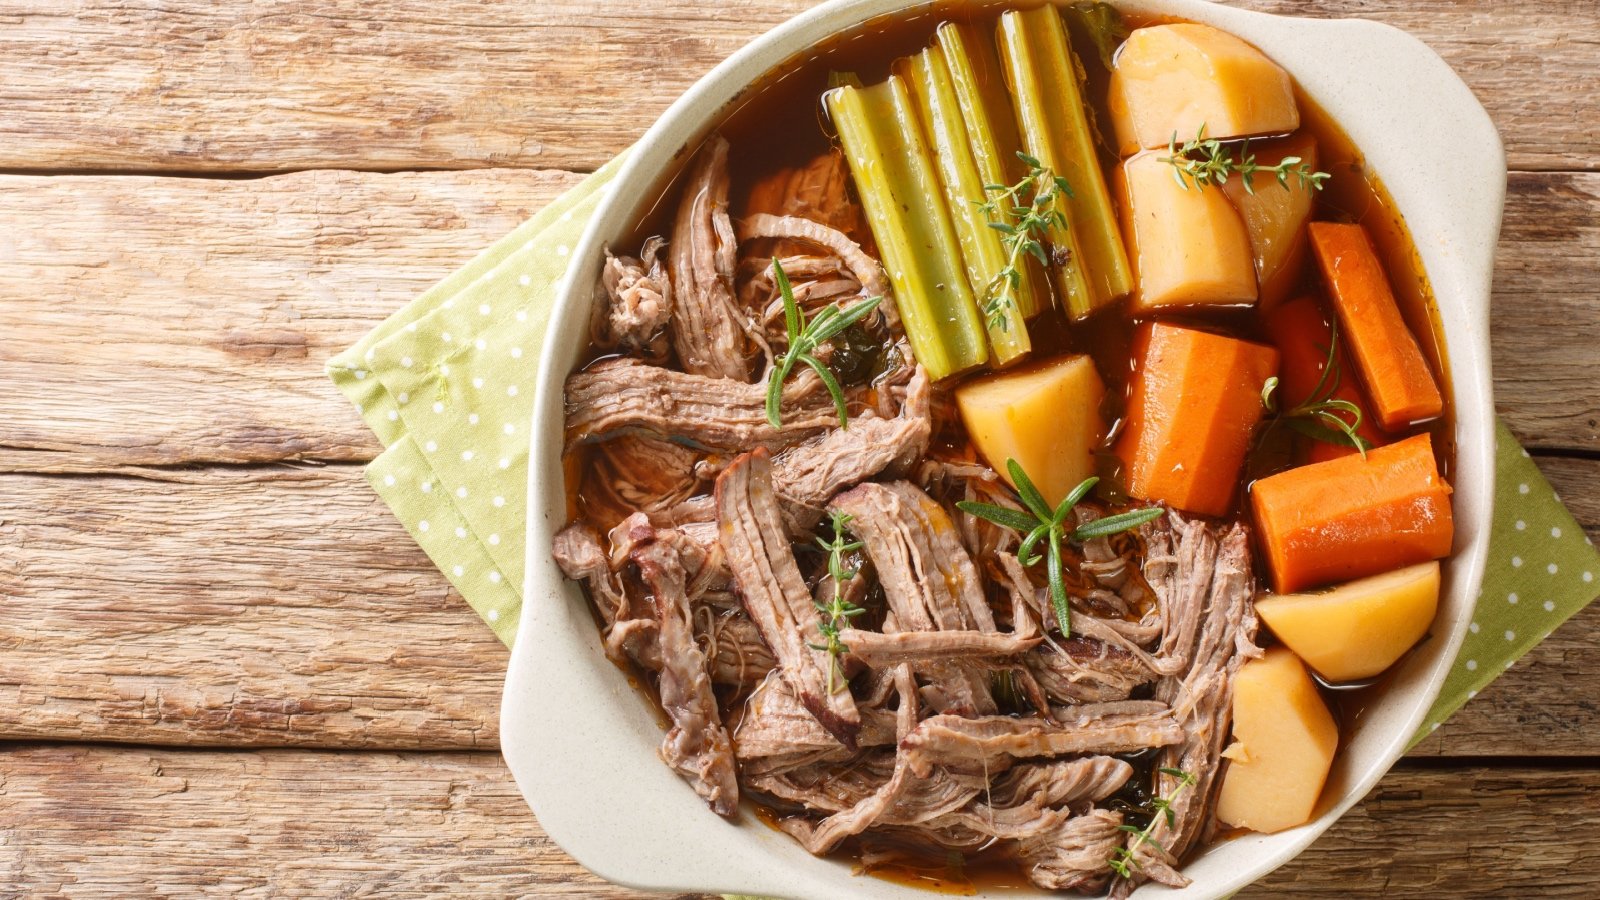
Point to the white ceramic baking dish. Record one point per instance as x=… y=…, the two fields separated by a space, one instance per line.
x=582 y=742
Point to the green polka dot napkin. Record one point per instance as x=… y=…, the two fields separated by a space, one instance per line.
x=447 y=385
x=1541 y=570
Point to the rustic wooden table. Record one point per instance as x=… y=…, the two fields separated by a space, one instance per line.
x=225 y=667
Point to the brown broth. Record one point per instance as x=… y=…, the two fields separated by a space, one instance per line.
x=780 y=123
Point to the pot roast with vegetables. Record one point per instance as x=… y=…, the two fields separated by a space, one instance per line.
x=1009 y=441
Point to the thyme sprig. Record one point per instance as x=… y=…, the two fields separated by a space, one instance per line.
x=1042 y=524
x=837 y=612
x=1321 y=416
x=804 y=339
x=1024 y=230
x=1124 y=860
x=1208 y=161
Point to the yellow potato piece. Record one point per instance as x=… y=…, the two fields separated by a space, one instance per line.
x=1045 y=416
x=1360 y=628
x=1188 y=245
x=1275 y=217
x=1174 y=78
x=1284 y=741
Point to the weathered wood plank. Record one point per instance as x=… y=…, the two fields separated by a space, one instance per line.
x=197 y=85
x=90 y=821
x=267 y=606
x=305 y=824
x=1454 y=832
x=159 y=321
x=1545 y=321
x=165 y=320
x=276 y=606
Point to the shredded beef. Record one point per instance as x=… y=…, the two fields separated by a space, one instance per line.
x=708 y=328
x=696 y=746
x=639 y=301
x=775 y=595
x=625 y=396
x=1091 y=728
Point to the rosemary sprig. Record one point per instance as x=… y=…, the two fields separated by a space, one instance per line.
x=1043 y=524
x=1024 y=230
x=804 y=339
x=837 y=612
x=1321 y=416
x=1207 y=161
x=1124 y=861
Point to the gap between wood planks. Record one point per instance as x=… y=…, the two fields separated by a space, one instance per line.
x=285 y=606
x=282 y=272
x=245 y=85
x=307 y=823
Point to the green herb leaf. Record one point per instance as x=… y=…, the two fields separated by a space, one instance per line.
x=1043 y=524
x=1076 y=495
x=1026 y=225
x=1206 y=161
x=1320 y=416
x=791 y=310
x=804 y=339
x=1115 y=524
x=1124 y=860
x=1031 y=498
x=1058 y=588
x=834 y=390
x=999 y=515
x=837 y=613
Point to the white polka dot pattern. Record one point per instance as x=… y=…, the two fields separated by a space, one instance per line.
x=467 y=350
x=1537 y=553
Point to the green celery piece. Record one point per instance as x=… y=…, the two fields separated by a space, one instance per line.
x=928 y=80
x=1055 y=129
x=991 y=131
x=894 y=176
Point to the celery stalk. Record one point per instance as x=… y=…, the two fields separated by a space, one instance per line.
x=991 y=130
x=982 y=251
x=1049 y=101
x=894 y=175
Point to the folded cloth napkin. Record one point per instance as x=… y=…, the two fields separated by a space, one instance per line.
x=447 y=384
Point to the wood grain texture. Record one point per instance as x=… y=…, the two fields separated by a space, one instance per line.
x=129 y=347
x=1454 y=832
x=228 y=85
x=95 y=822
x=168 y=320
x=152 y=328
x=1545 y=320
x=276 y=606
x=303 y=824
x=264 y=606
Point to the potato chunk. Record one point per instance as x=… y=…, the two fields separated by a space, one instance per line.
x=1188 y=245
x=1357 y=629
x=1046 y=416
x=1275 y=217
x=1175 y=78
x=1283 y=744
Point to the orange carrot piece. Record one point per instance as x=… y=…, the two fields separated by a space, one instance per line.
x=1195 y=400
x=1302 y=331
x=1351 y=517
x=1402 y=389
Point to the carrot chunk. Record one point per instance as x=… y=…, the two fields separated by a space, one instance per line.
x=1302 y=332
x=1397 y=377
x=1194 y=400
x=1351 y=517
